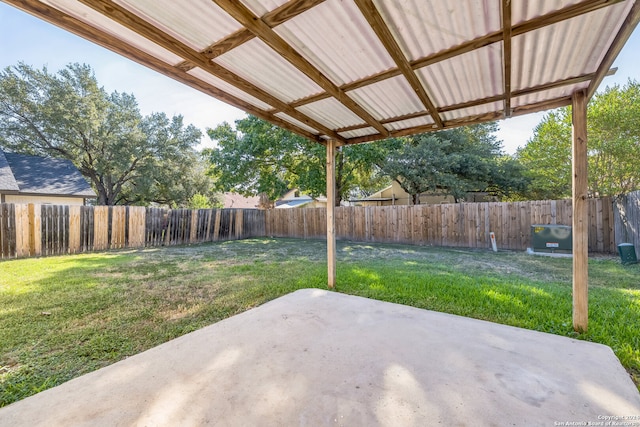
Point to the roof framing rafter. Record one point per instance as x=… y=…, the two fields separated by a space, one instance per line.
x=371 y=14
x=276 y=17
x=468 y=46
x=164 y=24
x=630 y=23
x=506 y=55
x=81 y=29
x=475 y=103
x=481 y=118
x=258 y=27
x=131 y=21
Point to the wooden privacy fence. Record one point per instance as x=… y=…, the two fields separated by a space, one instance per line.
x=32 y=230
x=461 y=224
x=626 y=211
x=35 y=230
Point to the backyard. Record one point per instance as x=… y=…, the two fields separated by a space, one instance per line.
x=61 y=317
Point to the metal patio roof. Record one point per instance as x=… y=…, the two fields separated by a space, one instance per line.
x=361 y=70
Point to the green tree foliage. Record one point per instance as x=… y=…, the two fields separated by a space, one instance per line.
x=613 y=140
x=126 y=157
x=257 y=157
x=454 y=162
x=201 y=201
x=547 y=157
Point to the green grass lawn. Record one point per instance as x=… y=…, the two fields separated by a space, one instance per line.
x=61 y=317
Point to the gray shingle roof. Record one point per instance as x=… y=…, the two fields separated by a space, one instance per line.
x=41 y=175
x=7 y=180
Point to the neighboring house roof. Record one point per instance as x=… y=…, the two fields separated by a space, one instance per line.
x=291 y=203
x=299 y=201
x=7 y=180
x=236 y=201
x=42 y=176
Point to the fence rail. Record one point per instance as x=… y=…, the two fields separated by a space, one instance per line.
x=42 y=230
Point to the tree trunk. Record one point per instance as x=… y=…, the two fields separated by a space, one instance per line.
x=102 y=198
x=416 y=198
x=339 y=176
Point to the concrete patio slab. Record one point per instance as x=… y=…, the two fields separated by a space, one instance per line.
x=318 y=358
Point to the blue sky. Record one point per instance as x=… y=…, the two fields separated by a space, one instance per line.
x=37 y=43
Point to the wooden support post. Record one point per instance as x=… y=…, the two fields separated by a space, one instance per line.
x=331 y=224
x=580 y=213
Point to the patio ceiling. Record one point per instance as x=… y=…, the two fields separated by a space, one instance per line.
x=361 y=70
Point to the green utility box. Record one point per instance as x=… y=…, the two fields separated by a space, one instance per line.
x=551 y=238
x=627 y=253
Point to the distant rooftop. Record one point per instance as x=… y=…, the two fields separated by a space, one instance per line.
x=26 y=174
x=237 y=201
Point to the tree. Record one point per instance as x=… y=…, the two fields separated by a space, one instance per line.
x=547 y=157
x=183 y=169
x=126 y=157
x=613 y=140
x=257 y=157
x=454 y=162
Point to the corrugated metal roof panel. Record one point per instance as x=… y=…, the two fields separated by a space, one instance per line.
x=358 y=132
x=230 y=89
x=473 y=111
x=331 y=113
x=198 y=26
x=339 y=54
x=260 y=7
x=296 y=122
x=424 y=27
x=524 y=10
x=96 y=20
x=567 y=49
x=473 y=75
x=389 y=98
x=536 y=97
x=409 y=123
x=258 y=63
x=337 y=41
